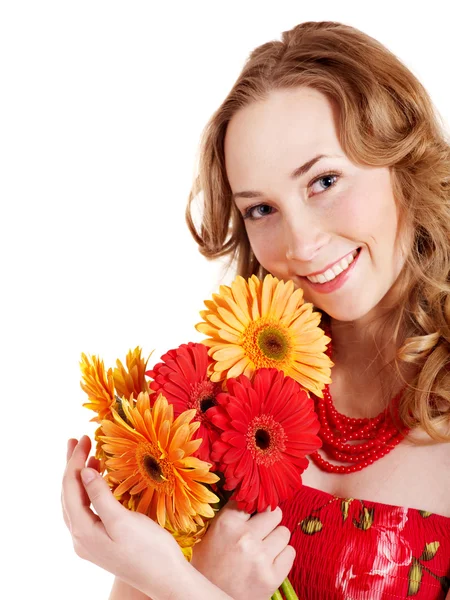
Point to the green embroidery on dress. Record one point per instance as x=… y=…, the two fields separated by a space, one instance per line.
x=365 y=518
x=417 y=569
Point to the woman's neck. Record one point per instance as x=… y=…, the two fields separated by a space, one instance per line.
x=365 y=376
x=362 y=344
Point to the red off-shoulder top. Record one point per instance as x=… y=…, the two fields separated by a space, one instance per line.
x=349 y=549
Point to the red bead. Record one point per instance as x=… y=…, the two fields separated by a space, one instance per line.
x=378 y=436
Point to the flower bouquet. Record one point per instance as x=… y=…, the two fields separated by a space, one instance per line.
x=228 y=418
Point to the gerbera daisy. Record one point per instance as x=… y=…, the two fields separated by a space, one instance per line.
x=150 y=455
x=182 y=378
x=187 y=541
x=130 y=380
x=99 y=454
x=268 y=427
x=98 y=385
x=254 y=324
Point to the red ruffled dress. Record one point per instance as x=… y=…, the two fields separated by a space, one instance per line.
x=349 y=549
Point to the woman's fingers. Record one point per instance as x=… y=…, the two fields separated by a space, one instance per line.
x=231 y=509
x=83 y=486
x=283 y=563
x=93 y=463
x=71 y=445
x=277 y=541
x=102 y=499
x=262 y=524
x=75 y=499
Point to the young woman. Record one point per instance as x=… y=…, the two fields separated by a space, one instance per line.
x=326 y=164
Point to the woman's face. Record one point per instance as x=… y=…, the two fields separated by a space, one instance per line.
x=326 y=223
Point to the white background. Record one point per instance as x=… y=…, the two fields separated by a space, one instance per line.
x=102 y=106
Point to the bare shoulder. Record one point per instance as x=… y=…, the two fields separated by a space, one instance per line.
x=418 y=437
x=419 y=443
x=424 y=471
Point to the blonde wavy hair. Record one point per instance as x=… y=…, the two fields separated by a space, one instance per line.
x=386 y=118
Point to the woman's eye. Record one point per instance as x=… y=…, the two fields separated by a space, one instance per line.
x=323 y=183
x=326 y=182
x=257 y=212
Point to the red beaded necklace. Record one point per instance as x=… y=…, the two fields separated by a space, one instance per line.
x=379 y=435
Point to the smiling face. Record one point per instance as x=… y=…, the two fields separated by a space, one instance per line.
x=326 y=223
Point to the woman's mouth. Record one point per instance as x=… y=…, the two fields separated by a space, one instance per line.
x=335 y=276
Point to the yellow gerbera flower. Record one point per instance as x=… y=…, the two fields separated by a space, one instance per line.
x=150 y=455
x=187 y=541
x=255 y=324
x=131 y=380
x=98 y=385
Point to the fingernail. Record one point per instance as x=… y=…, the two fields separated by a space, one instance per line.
x=88 y=475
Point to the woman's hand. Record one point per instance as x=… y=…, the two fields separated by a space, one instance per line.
x=125 y=543
x=245 y=556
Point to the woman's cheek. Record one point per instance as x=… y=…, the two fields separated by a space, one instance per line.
x=348 y=213
x=267 y=246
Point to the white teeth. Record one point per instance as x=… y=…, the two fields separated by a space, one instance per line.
x=345 y=262
x=337 y=270
x=334 y=271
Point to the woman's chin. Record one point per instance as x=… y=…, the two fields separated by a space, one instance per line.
x=349 y=312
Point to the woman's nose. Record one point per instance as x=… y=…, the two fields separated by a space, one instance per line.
x=304 y=241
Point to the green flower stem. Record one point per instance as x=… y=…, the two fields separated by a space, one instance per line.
x=288 y=590
x=277 y=596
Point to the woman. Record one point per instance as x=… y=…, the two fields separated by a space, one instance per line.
x=326 y=165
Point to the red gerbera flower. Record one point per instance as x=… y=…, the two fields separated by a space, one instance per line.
x=268 y=426
x=182 y=378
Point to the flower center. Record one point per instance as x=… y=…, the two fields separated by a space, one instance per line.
x=262 y=439
x=272 y=343
x=151 y=465
x=155 y=467
x=266 y=440
x=202 y=397
x=267 y=343
x=207 y=403
x=119 y=408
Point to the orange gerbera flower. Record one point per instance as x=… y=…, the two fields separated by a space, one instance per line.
x=99 y=454
x=98 y=385
x=131 y=380
x=265 y=324
x=150 y=455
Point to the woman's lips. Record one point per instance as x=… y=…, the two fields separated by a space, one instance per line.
x=337 y=282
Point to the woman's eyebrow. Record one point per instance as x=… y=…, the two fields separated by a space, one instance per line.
x=296 y=173
x=307 y=166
